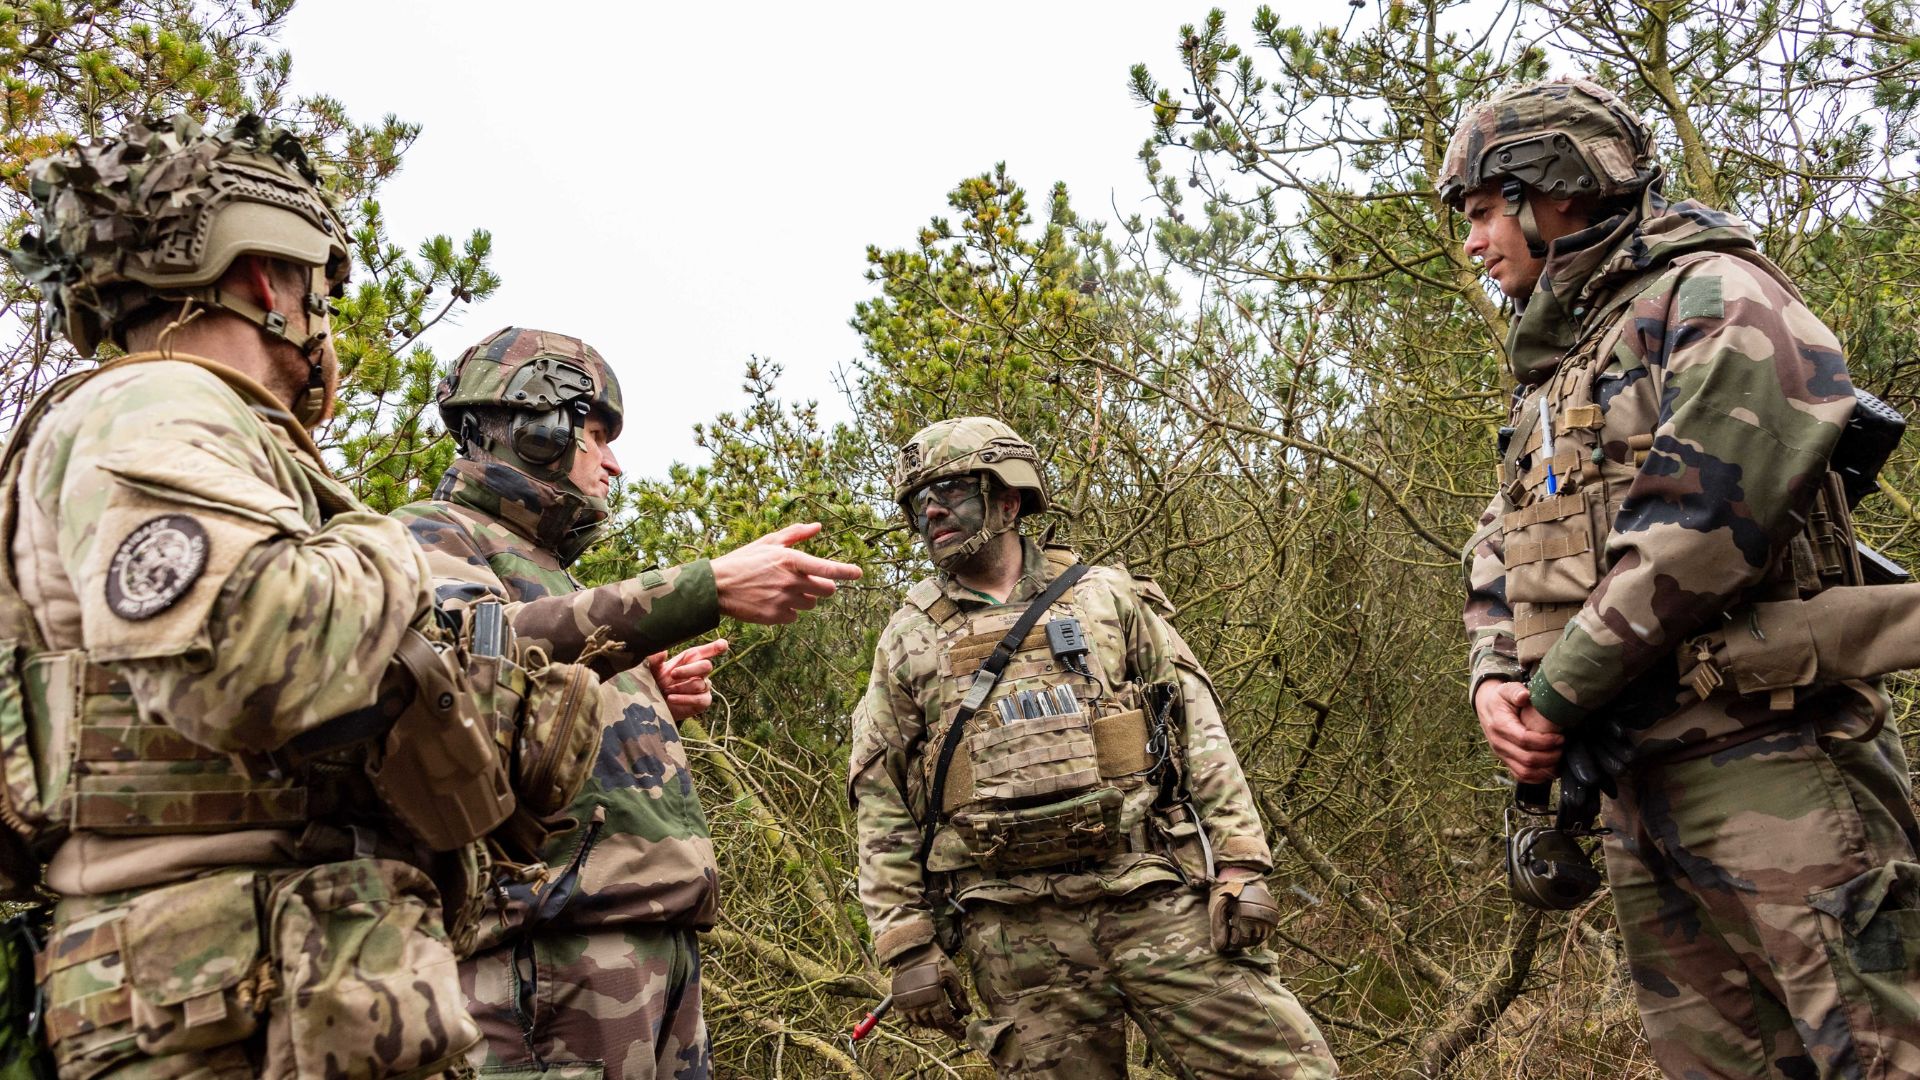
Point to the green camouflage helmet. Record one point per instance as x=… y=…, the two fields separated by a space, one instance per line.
x=1563 y=138
x=548 y=382
x=159 y=214
x=971 y=444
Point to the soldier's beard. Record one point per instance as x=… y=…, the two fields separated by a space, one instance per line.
x=970 y=527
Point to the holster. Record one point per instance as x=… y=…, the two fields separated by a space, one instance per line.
x=438 y=769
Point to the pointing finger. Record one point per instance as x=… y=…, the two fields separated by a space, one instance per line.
x=791 y=534
x=826 y=568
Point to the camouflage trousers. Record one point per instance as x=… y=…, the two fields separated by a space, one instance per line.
x=1060 y=981
x=339 y=971
x=1770 y=903
x=619 y=1003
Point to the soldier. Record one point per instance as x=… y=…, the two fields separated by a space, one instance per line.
x=593 y=968
x=1043 y=784
x=1666 y=513
x=197 y=618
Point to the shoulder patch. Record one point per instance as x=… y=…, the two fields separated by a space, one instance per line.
x=1700 y=298
x=155 y=566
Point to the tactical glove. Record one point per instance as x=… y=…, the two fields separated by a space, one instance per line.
x=1583 y=764
x=927 y=991
x=1240 y=914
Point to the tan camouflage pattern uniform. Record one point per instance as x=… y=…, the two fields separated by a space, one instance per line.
x=592 y=969
x=1063 y=957
x=1761 y=852
x=292 y=949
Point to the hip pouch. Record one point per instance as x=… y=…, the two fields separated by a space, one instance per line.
x=439 y=768
x=194 y=966
x=368 y=985
x=557 y=742
x=1083 y=828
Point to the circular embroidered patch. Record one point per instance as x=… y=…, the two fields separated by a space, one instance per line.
x=155 y=566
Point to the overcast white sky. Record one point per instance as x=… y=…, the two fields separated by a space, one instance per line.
x=683 y=185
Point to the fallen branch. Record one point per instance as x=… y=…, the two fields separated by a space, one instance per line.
x=1357 y=900
x=1471 y=1020
x=841 y=983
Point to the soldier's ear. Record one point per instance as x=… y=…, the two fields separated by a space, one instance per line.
x=1007 y=498
x=252 y=277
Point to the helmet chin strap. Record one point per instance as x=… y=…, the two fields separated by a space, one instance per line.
x=995 y=523
x=311 y=403
x=1519 y=206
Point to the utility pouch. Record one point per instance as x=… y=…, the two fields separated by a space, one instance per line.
x=368 y=986
x=1183 y=842
x=1552 y=562
x=192 y=958
x=1085 y=828
x=554 y=752
x=438 y=769
x=499 y=684
x=1033 y=759
x=23 y=1054
x=1851 y=632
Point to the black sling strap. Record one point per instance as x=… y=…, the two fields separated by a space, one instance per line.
x=984 y=681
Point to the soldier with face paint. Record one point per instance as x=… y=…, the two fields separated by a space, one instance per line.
x=591 y=967
x=1044 y=787
x=1643 y=598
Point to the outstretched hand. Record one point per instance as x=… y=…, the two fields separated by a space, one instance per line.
x=770 y=581
x=683 y=678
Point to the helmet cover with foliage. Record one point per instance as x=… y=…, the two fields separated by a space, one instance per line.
x=158 y=214
x=1564 y=138
x=548 y=383
x=971 y=446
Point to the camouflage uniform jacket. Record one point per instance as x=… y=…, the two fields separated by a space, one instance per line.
x=642 y=852
x=1694 y=402
x=288 y=617
x=897 y=727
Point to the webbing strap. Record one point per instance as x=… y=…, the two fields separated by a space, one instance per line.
x=1526 y=552
x=1555 y=508
x=984 y=681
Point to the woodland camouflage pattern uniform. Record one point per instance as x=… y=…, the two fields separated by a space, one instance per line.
x=1063 y=956
x=205 y=595
x=591 y=969
x=1761 y=852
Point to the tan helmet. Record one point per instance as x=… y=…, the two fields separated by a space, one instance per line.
x=159 y=213
x=971 y=444
x=1563 y=138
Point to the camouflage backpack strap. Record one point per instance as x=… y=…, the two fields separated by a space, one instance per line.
x=984 y=680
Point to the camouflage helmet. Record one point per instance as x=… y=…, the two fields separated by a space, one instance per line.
x=1562 y=138
x=971 y=444
x=160 y=213
x=549 y=382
